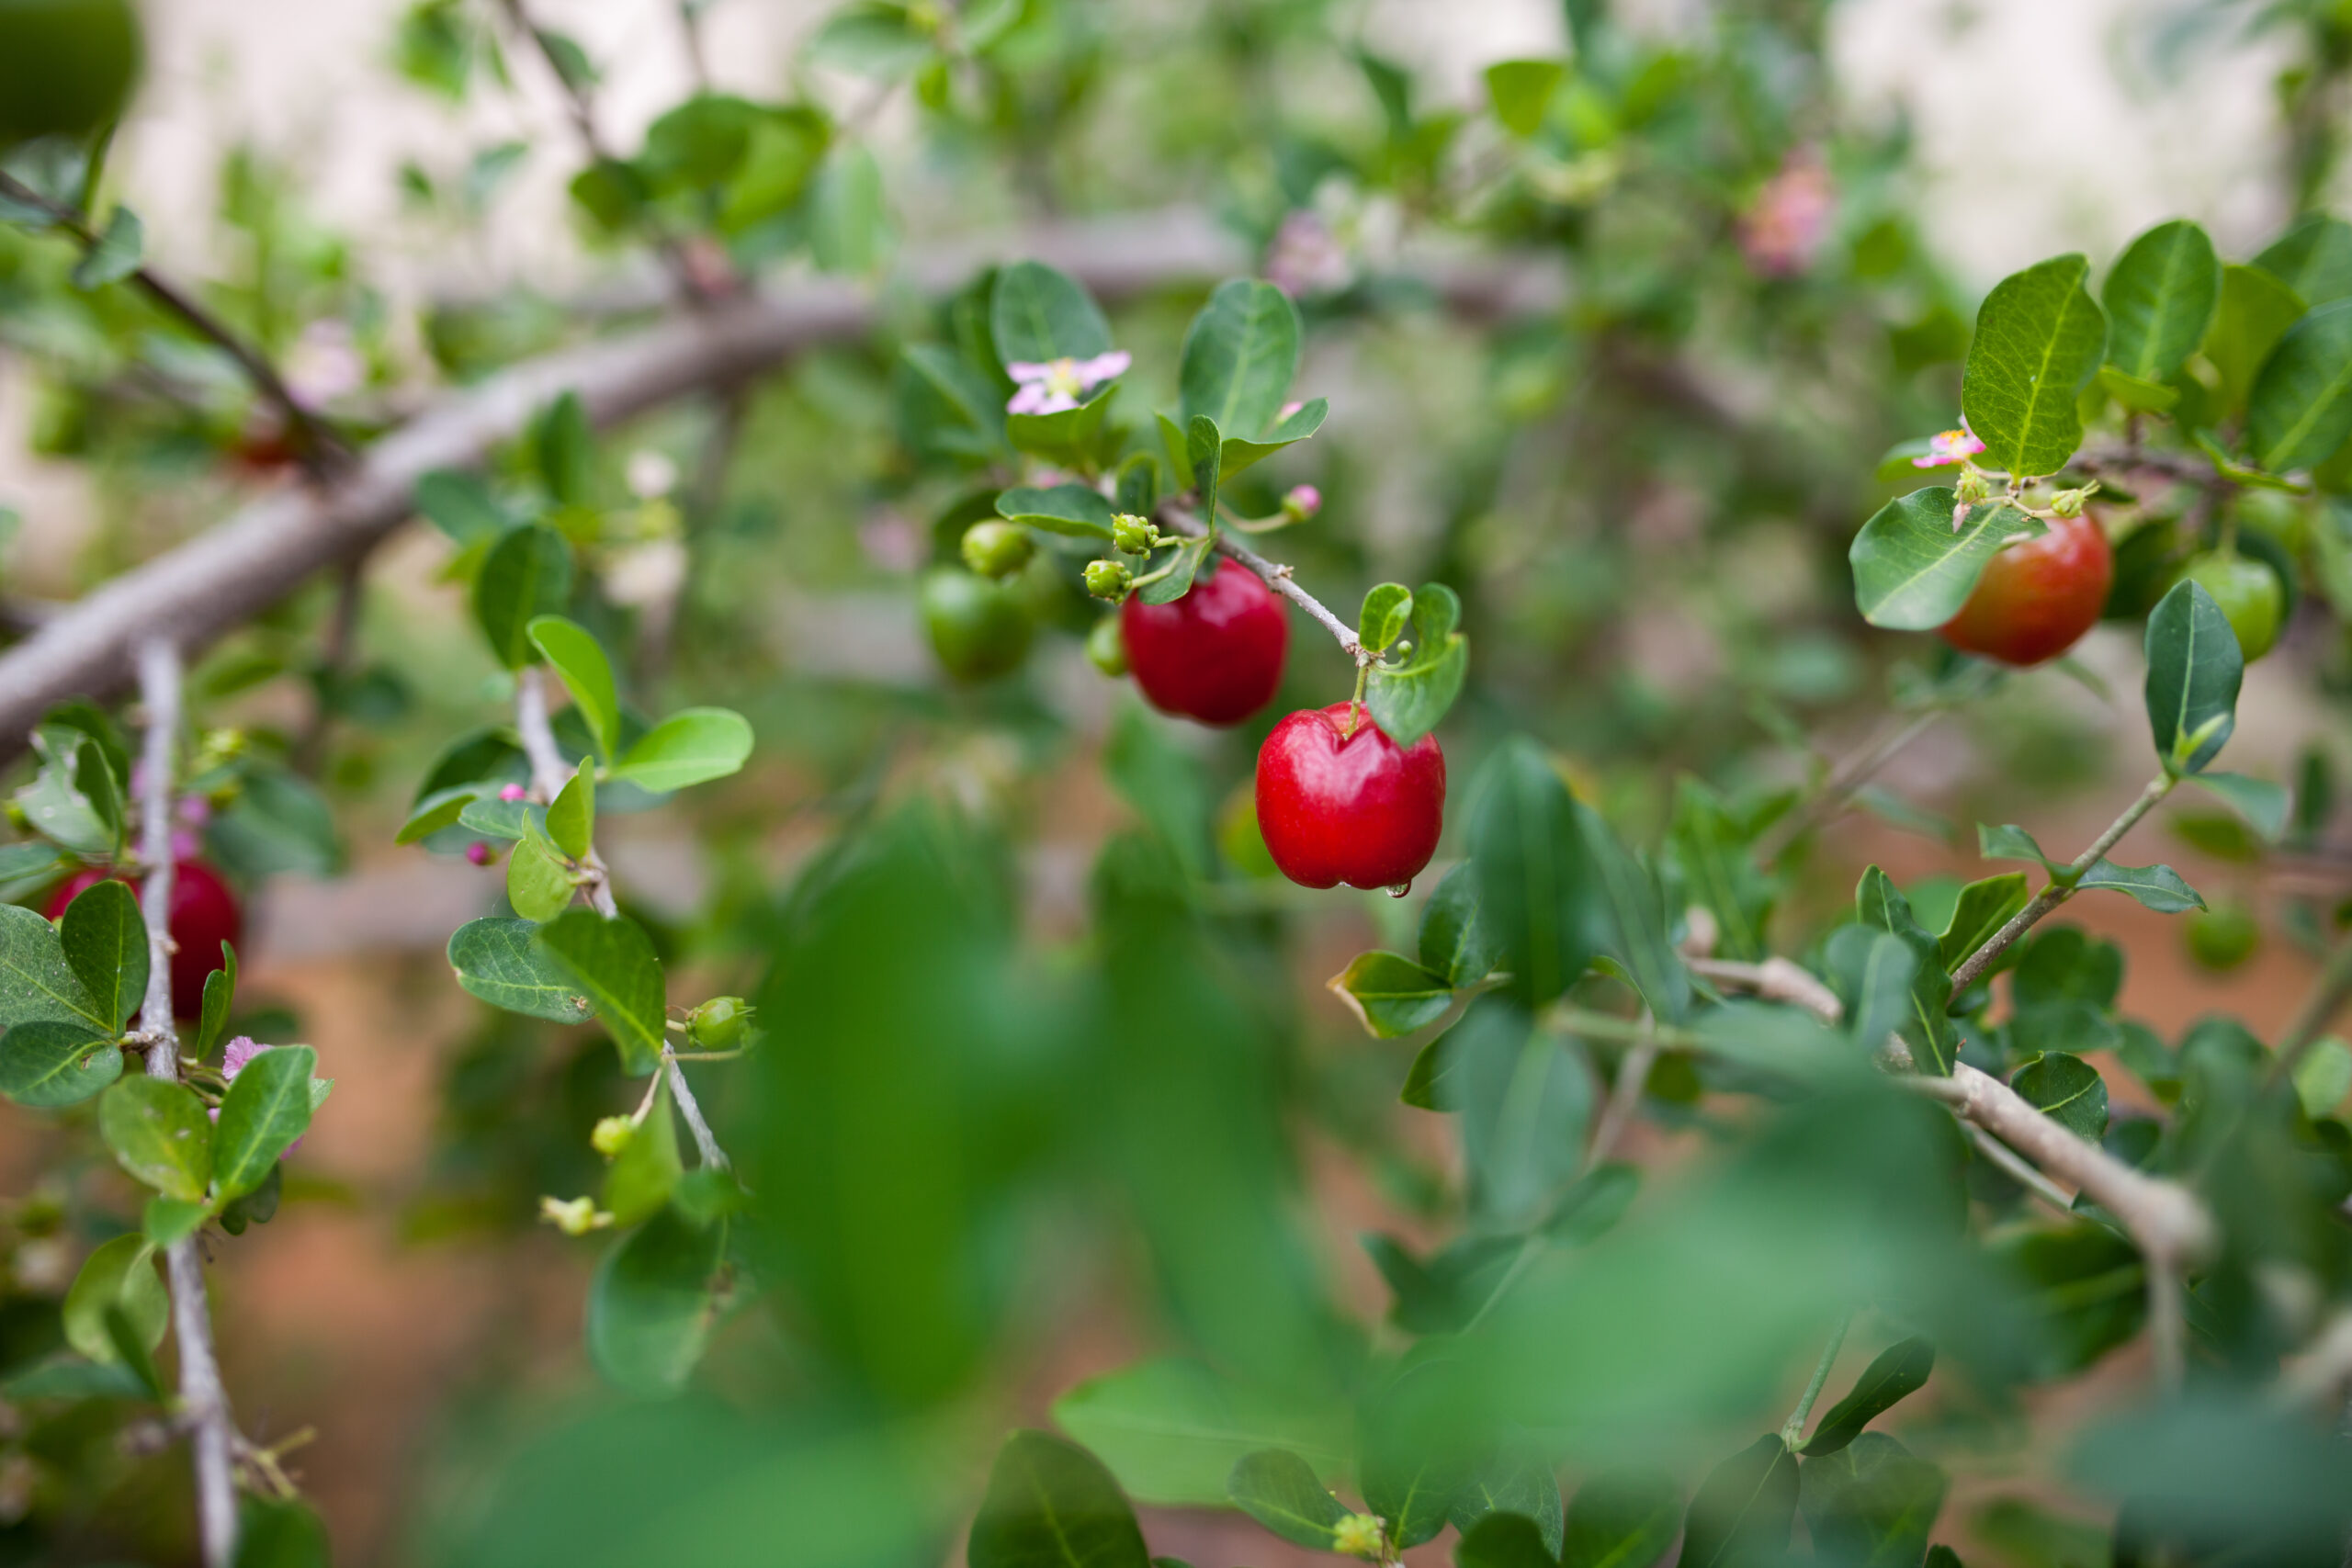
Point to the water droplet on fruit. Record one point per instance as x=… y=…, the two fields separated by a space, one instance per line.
x=1401 y=890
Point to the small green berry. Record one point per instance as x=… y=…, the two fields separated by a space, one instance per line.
x=611 y=1135
x=1107 y=648
x=997 y=549
x=1108 y=580
x=719 y=1024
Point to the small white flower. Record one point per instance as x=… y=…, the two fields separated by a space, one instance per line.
x=1061 y=384
x=651 y=474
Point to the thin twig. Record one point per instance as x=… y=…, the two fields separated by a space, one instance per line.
x=204 y=1404
x=2058 y=891
x=706 y=1142
x=1624 y=1096
x=320 y=448
x=1793 y=1429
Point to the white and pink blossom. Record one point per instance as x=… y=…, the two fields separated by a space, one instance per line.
x=1061 y=384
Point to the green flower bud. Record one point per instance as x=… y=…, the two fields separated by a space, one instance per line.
x=719 y=1024
x=997 y=549
x=1108 y=580
x=1973 y=486
x=1107 y=648
x=1358 y=1535
x=611 y=1135
x=1131 y=535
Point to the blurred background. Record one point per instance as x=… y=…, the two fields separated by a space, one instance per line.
x=1626 y=387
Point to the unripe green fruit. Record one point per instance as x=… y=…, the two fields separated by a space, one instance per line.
x=1108 y=578
x=719 y=1024
x=2282 y=517
x=2222 y=937
x=66 y=66
x=979 y=629
x=1107 y=648
x=997 y=549
x=2248 y=593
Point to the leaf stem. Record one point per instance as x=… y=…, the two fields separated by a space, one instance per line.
x=2061 y=885
x=1793 y=1429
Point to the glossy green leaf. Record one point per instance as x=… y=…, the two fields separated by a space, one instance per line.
x=690 y=747
x=2257 y=308
x=1927 y=1029
x=2010 y=841
x=1235 y=453
x=2263 y=805
x=1052 y=1505
x=565 y=451
x=105 y=941
x=1036 y=314
x=1718 y=871
x=647 y=1170
x=2300 y=407
x=653 y=1302
x=2194 y=670
x=1204 y=459
x=51 y=1062
x=167 y=1220
x=1172 y=1430
x=539 y=884
x=1072 y=437
x=1454 y=939
x=73 y=800
x=1412 y=698
x=117 y=255
x=1390 y=994
x=2314 y=257
x=1630 y=908
x=1873 y=972
x=1503 y=1540
x=2324 y=1077
x=526 y=574
x=1913 y=570
x=2145 y=397
x=2067 y=1090
x=159 y=1133
x=1525 y=1099
x=613 y=962
x=119 y=1274
x=2160 y=299
x=437 y=811
x=571 y=816
x=35 y=983
x=1873 y=1502
x=26 y=868
x=1984 y=908
x=492 y=818
x=1743 y=1509
x=1894 y=1375
x=2158 y=888
x=1520 y=90
x=1240 y=356
x=1535 y=876
x=587 y=674
x=498 y=960
x=1621 y=1518
x=1077 y=511
x=1282 y=1492
x=2039 y=337
x=280 y=823
x=1381 y=621
x=267 y=1107
x=1184 y=563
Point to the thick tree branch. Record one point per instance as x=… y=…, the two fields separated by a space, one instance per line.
x=204 y=1402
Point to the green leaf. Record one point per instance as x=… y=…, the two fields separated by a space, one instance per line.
x=105 y=941
x=1051 y=1504
x=2147 y=397
x=1913 y=570
x=2262 y=803
x=159 y=1133
x=2158 y=888
x=1927 y=1029
x=1391 y=996
x=1504 y=1540
x=1630 y=908
x=280 y=823
x=2160 y=300
x=502 y=818
x=1385 y=611
x=871 y=38
x=71 y=800
x=1411 y=1457
x=1520 y=90
x=2067 y=1090
x=49 y=1062
x=1036 y=314
x=526 y=574
x=1071 y=438
x=27 y=868
x=2194 y=669
x=1172 y=1431
x=1282 y=1492
x=1454 y=939
x=2324 y=1077
x=2257 y=308
x=539 y=884
x=1240 y=355
x=2300 y=407
x=566 y=454
x=497 y=960
x=647 y=1169
x=281 y=1535
x=1873 y=972
x=1984 y=906
x=2010 y=841
x=1074 y=511
x=1139 y=484
x=1236 y=454
x=120 y=1274
x=613 y=962
x=1872 y=1504
x=167 y=1220
x=571 y=816
x=655 y=1299
x=1205 y=454
x=1515 y=1483
x=1411 y=699
x=439 y=810
x=690 y=747
x=116 y=255
x=1534 y=871
x=35 y=983
x=1743 y=1511
x=2039 y=337
x=587 y=675
x=1622 y=1519
x=267 y=1107
x=2314 y=257
x=71 y=1377
x=1719 y=873
x=1894 y=1375
x=1525 y=1097
x=461 y=506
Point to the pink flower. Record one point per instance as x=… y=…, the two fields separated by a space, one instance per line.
x=512 y=792
x=478 y=853
x=1950 y=446
x=1307 y=257
x=1287 y=411
x=240 y=1051
x=1062 y=384
x=1783 y=228
x=1303 y=502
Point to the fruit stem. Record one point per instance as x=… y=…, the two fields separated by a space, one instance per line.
x=1355 y=703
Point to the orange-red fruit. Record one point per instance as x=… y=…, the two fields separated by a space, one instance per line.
x=1215 y=655
x=205 y=914
x=1356 y=808
x=2037 y=598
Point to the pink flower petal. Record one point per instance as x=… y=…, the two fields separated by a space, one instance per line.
x=240 y=1051
x=1035 y=398
x=1023 y=370
x=1102 y=366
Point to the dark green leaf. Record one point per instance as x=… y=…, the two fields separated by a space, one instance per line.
x=1535 y=878
x=116 y=255
x=1984 y=906
x=51 y=1062
x=1631 y=909
x=71 y=800
x=1204 y=455
x=71 y=1377
x=1871 y=1505
x=1873 y=972
x=1390 y=994
x=1454 y=939
x=35 y=983
x=2314 y=257
x=2160 y=299
x=1743 y=1511
x=1894 y=1375
x=526 y=574
x=1077 y=511
x=690 y=747
x=120 y=1274
x=2068 y=1091
x=1927 y=1029
x=1525 y=1099
x=566 y=453
x=461 y=506
x=647 y=1169
x=2300 y=407
x=1623 y=1519
x=1051 y=1504
x=1240 y=355
x=1408 y=701
x=1718 y=872
x=1036 y=314
x=159 y=1133
x=1174 y=1431
x=280 y=823
x=1412 y=1457
x=1503 y=1540
x=1913 y=570
x=587 y=675
x=613 y=962
x=1520 y=90
x=1282 y=1492
x=2158 y=888
x=2257 y=308
x=267 y=1107
x=2039 y=337
x=281 y=1535
x=1452 y=1287
x=2194 y=669
x=655 y=1299
x=1516 y=1482
x=105 y=941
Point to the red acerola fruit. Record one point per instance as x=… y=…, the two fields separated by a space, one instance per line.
x=1215 y=655
x=1338 y=805
x=2037 y=598
x=205 y=914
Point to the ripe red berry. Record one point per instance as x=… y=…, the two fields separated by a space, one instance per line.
x=205 y=914
x=1215 y=655
x=1358 y=808
x=2037 y=598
